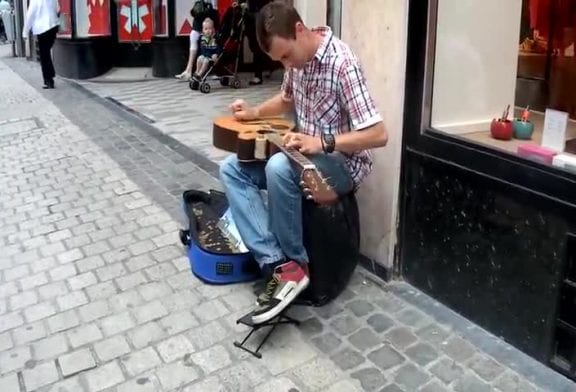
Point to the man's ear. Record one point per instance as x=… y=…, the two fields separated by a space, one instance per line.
x=299 y=28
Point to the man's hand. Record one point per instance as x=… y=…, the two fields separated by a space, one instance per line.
x=306 y=144
x=243 y=111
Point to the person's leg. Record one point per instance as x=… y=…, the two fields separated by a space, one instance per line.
x=51 y=39
x=285 y=211
x=258 y=56
x=199 y=62
x=285 y=197
x=202 y=67
x=194 y=37
x=44 y=49
x=242 y=183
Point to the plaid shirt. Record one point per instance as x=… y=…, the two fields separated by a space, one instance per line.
x=330 y=96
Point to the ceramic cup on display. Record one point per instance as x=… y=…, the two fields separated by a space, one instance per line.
x=501 y=129
x=523 y=129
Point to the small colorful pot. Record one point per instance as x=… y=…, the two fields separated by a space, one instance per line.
x=501 y=129
x=523 y=129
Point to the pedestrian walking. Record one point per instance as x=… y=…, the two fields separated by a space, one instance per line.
x=43 y=20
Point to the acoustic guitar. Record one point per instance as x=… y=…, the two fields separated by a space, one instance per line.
x=246 y=138
x=257 y=140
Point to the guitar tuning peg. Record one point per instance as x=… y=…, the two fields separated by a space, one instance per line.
x=309 y=197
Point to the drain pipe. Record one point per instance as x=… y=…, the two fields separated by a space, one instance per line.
x=334 y=15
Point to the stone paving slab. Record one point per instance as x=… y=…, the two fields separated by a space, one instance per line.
x=96 y=293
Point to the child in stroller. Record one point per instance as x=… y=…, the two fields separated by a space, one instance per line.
x=224 y=65
x=209 y=49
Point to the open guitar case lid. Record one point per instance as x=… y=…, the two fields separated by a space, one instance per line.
x=211 y=257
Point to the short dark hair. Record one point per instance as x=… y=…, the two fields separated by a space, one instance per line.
x=276 y=19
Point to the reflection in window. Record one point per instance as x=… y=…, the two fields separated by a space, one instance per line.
x=546 y=52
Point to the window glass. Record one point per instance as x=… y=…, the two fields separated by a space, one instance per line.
x=134 y=20
x=160 y=17
x=92 y=18
x=65 y=30
x=513 y=60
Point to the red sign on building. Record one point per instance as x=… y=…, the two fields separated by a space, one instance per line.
x=135 y=20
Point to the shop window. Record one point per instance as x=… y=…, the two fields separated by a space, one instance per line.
x=134 y=20
x=495 y=59
x=160 y=9
x=183 y=18
x=92 y=18
x=65 y=30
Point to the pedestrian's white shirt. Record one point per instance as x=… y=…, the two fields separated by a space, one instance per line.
x=42 y=15
x=5 y=6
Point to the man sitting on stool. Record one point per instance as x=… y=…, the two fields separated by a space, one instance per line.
x=337 y=123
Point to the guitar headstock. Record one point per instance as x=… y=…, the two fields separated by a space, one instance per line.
x=316 y=187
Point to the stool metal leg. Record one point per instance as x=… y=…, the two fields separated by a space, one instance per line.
x=247 y=320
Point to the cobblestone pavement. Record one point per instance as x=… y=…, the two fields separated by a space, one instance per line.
x=177 y=111
x=97 y=295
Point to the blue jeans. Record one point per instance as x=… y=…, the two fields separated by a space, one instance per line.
x=275 y=232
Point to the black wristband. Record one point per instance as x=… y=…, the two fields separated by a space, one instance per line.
x=328 y=143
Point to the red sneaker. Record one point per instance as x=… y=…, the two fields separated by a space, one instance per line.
x=287 y=281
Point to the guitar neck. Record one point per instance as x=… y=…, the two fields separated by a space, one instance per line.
x=295 y=155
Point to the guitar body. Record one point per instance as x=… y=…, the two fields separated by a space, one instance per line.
x=257 y=140
x=247 y=138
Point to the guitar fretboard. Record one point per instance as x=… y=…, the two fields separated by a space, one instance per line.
x=292 y=153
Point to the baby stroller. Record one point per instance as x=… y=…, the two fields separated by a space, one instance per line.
x=225 y=67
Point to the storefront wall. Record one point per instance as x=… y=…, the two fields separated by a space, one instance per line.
x=376 y=30
x=312 y=12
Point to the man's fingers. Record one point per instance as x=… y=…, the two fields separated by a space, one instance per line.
x=294 y=144
x=240 y=115
x=237 y=105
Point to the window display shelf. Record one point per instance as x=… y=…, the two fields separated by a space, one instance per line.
x=484 y=137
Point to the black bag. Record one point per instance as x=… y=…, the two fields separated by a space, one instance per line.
x=202 y=10
x=332 y=240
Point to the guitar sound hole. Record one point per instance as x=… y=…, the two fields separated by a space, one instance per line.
x=264 y=131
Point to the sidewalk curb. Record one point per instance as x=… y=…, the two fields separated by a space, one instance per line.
x=112 y=81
